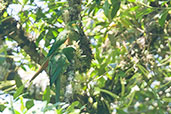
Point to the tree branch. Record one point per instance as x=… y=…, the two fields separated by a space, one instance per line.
x=9 y=28
x=75 y=16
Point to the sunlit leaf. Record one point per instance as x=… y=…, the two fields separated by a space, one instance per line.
x=22 y=107
x=16 y=112
x=5 y=14
x=131 y=0
x=19 y=91
x=71 y=107
x=167 y=99
x=25 y=2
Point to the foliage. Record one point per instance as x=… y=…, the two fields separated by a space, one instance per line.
x=131 y=43
x=25 y=106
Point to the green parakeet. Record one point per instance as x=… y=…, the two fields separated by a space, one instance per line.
x=58 y=58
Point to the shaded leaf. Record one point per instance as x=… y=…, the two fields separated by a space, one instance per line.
x=41 y=36
x=2 y=107
x=120 y=111
x=116 y=6
x=19 y=91
x=106 y=8
x=18 y=81
x=46 y=94
x=106 y=91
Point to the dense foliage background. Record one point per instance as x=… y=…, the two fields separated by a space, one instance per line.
x=130 y=72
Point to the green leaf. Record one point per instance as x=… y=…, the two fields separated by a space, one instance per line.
x=134 y=8
x=95 y=11
x=127 y=23
x=91 y=8
x=108 y=92
x=23 y=67
x=59 y=111
x=140 y=14
x=144 y=71
x=71 y=107
x=120 y=111
x=163 y=17
x=121 y=74
x=22 y=107
x=167 y=99
x=31 y=1
x=2 y=107
x=101 y=82
x=39 y=14
x=106 y=8
x=46 y=94
x=116 y=6
x=131 y=0
x=5 y=14
x=19 y=91
x=102 y=69
x=18 y=81
x=55 y=33
x=29 y=104
x=25 y=2
x=17 y=112
x=41 y=36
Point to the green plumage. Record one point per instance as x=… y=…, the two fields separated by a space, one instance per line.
x=58 y=65
x=62 y=37
x=69 y=53
x=60 y=57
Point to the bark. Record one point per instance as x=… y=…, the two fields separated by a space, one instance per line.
x=9 y=28
x=84 y=44
x=75 y=16
x=12 y=29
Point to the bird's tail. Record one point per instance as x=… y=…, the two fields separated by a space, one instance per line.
x=45 y=64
